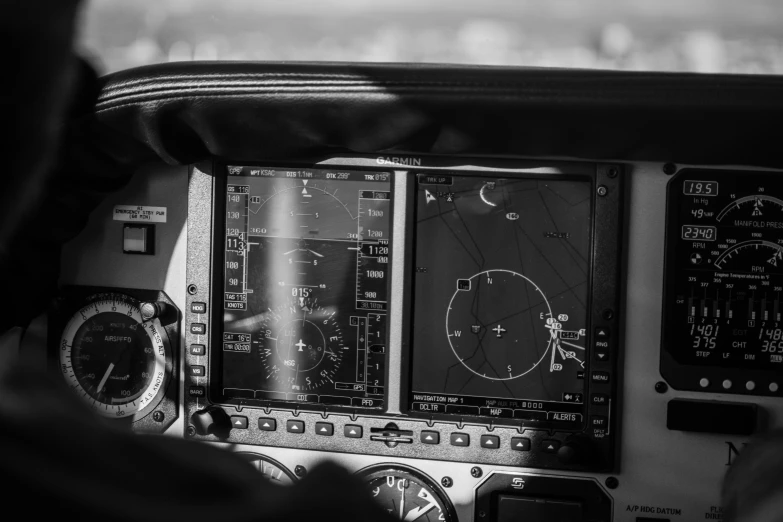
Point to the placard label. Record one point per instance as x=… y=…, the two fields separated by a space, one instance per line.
x=139 y=213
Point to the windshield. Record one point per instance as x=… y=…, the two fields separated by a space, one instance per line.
x=732 y=36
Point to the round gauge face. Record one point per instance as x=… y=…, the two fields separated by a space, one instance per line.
x=302 y=346
x=407 y=494
x=271 y=470
x=492 y=311
x=112 y=358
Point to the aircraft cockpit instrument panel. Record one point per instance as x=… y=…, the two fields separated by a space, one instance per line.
x=500 y=313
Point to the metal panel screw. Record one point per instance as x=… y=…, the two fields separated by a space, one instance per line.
x=661 y=387
x=669 y=169
x=612 y=172
x=158 y=416
x=446 y=482
x=192 y=289
x=612 y=482
x=300 y=471
x=476 y=472
x=608 y=314
x=191 y=431
x=482 y=514
x=602 y=190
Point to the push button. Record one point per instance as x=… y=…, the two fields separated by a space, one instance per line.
x=430 y=437
x=602 y=332
x=352 y=431
x=198 y=308
x=197 y=371
x=599 y=399
x=490 y=441
x=197 y=391
x=265 y=424
x=198 y=349
x=599 y=421
x=138 y=239
x=238 y=423
x=601 y=351
x=600 y=377
x=198 y=328
x=550 y=446
x=460 y=439
x=324 y=428
x=295 y=426
x=520 y=444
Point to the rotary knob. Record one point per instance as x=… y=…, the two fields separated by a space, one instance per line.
x=152 y=309
x=575 y=450
x=212 y=421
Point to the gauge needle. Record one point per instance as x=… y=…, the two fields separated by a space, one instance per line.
x=105 y=377
x=402 y=503
x=419 y=511
x=316 y=253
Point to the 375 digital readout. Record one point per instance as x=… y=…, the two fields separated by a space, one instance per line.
x=705 y=337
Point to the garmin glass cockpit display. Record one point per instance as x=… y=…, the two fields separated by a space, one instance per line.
x=722 y=324
x=492 y=315
x=305 y=290
x=501 y=292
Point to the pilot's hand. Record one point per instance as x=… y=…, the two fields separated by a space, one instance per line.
x=753 y=487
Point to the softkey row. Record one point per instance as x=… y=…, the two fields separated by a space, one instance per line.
x=354 y=431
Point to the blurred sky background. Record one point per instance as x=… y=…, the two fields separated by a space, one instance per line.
x=731 y=36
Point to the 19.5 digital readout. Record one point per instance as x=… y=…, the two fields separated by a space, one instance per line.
x=700 y=188
x=698 y=233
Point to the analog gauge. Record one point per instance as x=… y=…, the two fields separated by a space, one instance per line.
x=271 y=470
x=754 y=206
x=112 y=358
x=756 y=255
x=407 y=493
x=302 y=345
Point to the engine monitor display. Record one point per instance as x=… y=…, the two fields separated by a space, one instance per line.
x=501 y=295
x=305 y=292
x=724 y=280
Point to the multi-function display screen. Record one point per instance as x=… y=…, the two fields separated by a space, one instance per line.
x=305 y=293
x=501 y=288
x=724 y=273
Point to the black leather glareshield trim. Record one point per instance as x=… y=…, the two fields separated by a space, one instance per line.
x=187 y=112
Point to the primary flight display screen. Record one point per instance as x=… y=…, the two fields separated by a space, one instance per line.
x=501 y=291
x=305 y=290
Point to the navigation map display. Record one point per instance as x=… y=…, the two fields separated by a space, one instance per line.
x=305 y=292
x=501 y=295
